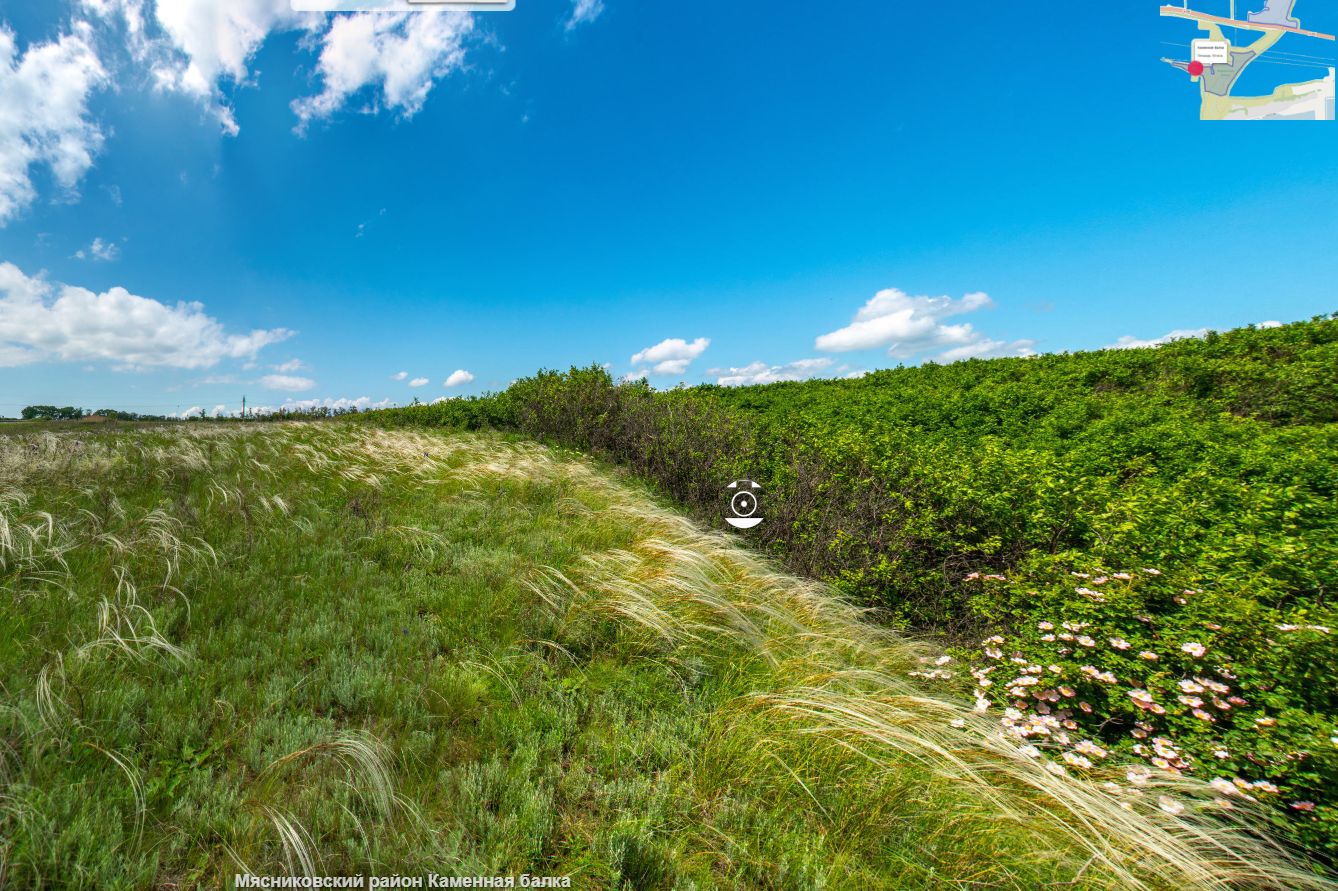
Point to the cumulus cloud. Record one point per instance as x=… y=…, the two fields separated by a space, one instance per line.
x=910 y=326
x=762 y=373
x=44 y=120
x=401 y=55
x=99 y=250
x=199 y=47
x=584 y=11
x=418 y=382
x=361 y=403
x=287 y=382
x=1129 y=342
x=458 y=378
x=219 y=411
x=41 y=321
x=399 y=376
x=672 y=356
x=1270 y=324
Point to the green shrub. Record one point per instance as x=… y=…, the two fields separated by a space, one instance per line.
x=1213 y=461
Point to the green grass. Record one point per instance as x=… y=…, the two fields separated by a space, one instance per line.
x=323 y=648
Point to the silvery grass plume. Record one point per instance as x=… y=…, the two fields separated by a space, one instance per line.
x=842 y=704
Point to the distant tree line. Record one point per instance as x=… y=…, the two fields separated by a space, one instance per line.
x=70 y=413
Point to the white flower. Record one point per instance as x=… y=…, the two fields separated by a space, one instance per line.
x=1194 y=648
x=942 y=660
x=1087 y=747
x=1148 y=656
x=1077 y=760
x=1191 y=686
x=1119 y=643
x=959 y=723
x=1152 y=571
x=1045 y=626
x=1171 y=806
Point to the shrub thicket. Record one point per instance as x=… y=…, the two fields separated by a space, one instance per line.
x=1151 y=535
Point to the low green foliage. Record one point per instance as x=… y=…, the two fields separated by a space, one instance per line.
x=331 y=649
x=1213 y=461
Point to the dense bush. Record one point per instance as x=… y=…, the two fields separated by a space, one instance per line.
x=960 y=500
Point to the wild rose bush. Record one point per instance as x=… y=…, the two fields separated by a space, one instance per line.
x=1132 y=664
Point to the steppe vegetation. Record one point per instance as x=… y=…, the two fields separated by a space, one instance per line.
x=1131 y=554
x=331 y=648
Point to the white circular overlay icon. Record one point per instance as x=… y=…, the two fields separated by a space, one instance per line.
x=743 y=504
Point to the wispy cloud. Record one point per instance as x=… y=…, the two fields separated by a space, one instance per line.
x=583 y=12
x=1129 y=342
x=99 y=250
x=287 y=382
x=762 y=373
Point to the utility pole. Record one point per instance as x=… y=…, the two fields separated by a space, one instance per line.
x=243 y=408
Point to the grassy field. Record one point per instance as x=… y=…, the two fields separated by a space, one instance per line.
x=1156 y=528
x=332 y=649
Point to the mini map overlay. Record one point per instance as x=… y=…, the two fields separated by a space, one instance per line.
x=1270 y=36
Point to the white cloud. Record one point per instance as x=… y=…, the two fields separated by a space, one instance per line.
x=1270 y=324
x=361 y=403
x=287 y=382
x=910 y=326
x=672 y=356
x=1129 y=342
x=762 y=373
x=403 y=55
x=418 y=382
x=199 y=47
x=583 y=11
x=190 y=412
x=99 y=250
x=44 y=114
x=219 y=411
x=41 y=321
x=399 y=376
x=458 y=378
x=288 y=367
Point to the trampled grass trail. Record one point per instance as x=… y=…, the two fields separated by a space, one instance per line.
x=327 y=649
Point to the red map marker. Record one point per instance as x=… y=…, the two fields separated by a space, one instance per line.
x=1195 y=68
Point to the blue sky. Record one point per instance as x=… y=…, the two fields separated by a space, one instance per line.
x=737 y=191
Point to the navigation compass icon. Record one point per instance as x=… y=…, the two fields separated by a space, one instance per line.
x=743 y=504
